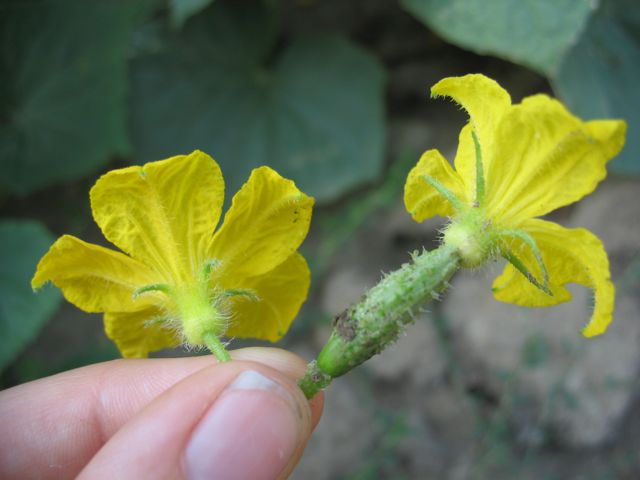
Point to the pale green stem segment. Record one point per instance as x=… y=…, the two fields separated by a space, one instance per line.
x=216 y=347
x=445 y=192
x=531 y=243
x=368 y=327
x=479 y=171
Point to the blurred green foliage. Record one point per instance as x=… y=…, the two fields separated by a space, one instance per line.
x=181 y=10
x=312 y=110
x=22 y=313
x=63 y=83
x=535 y=33
x=598 y=77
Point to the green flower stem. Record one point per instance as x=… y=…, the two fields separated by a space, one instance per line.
x=368 y=327
x=216 y=347
x=314 y=380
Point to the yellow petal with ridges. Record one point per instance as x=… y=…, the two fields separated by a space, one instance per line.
x=609 y=134
x=545 y=158
x=136 y=334
x=486 y=102
x=420 y=198
x=281 y=292
x=94 y=278
x=466 y=156
x=268 y=220
x=571 y=256
x=162 y=213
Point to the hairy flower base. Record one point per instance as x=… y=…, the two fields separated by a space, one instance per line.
x=196 y=310
x=199 y=312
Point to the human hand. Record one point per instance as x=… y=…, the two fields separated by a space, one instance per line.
x=161 y=418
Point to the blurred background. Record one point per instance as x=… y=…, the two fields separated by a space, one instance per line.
x=334 y=94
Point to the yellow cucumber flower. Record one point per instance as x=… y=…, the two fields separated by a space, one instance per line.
x=516 y=162
x=179 y=280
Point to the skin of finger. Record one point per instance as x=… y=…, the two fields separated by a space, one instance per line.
x=52 y=427
x=152 y=444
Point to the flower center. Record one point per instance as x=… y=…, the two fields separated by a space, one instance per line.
x=199 y=310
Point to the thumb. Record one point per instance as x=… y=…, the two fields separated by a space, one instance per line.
x=240 y=420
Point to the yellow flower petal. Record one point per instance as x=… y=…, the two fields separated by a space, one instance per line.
x=136 y=334
x=268 y=220
x=281 y=291
x=94 y=278
x=610 y=135
x=486 y=102
x=571 y=256
x=420 y=198
x=465 y=159
x=545 y=158
x=162 y=213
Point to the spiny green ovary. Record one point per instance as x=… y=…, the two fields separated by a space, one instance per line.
x=368 y=327
x=471 y=235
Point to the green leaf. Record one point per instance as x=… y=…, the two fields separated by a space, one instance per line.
x=22 y=312
x=181 y=10
x=535 y=33
x=599 y=76
x=313 y=110
x=63 y=87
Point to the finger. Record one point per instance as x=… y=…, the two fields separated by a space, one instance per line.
x=237 y=420
x=52 y=427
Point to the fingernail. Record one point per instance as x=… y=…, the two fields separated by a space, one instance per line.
x=250 y=432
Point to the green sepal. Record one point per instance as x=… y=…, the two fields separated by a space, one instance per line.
x=154 y=287
x=517 y=263
x=479 y=171
x=241 y=292
x=157 y=321
x=532 y=244
x=445 y=192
